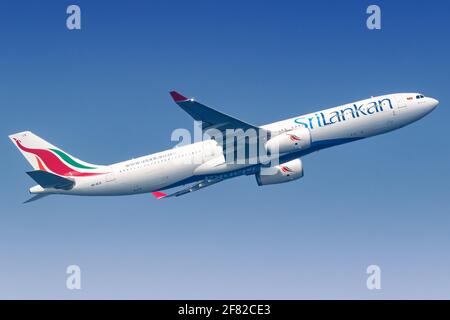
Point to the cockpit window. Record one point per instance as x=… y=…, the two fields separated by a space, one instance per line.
x=419 y=96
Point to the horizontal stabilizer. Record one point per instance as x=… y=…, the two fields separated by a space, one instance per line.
x=37 y=197
x=50 y=180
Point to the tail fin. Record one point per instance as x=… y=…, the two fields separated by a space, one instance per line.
x=44 y=156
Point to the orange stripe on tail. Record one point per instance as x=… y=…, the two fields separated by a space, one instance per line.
x=41 y=166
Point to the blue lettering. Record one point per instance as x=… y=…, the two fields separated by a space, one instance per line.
x=338 y=116
x=324 y=119
x=358 y=110
x=372 y=109
x=318 y=120
x=343 y=113
x=381 y=103
x=300 y=122
x=335 y=118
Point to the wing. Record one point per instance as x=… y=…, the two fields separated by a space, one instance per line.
x=199 y=185
x=211 y=119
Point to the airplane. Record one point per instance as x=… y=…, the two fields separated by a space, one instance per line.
x=204 y=163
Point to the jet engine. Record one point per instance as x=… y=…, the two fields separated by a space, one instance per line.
x=285 y=172
x=289 y=141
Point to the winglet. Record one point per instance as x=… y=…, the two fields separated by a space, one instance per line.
x=178 y=97
x=159 y=195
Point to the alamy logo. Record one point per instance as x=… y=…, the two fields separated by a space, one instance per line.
x=374 y=20
x=73 y=21
x=374 y=278
x=73 y=281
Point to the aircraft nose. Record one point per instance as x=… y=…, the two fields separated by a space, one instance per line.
x=434 y=102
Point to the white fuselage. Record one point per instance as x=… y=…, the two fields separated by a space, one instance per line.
x=346 y=123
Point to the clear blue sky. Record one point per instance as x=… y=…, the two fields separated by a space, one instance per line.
x=102 y=94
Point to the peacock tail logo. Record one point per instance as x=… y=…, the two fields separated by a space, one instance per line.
x=58 y=162
x=286 y=169
x=293 y=137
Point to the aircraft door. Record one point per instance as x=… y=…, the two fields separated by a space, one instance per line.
x=110 y=177
x=401 y=103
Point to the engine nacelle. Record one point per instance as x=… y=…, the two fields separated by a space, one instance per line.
x=289 y=141
x=285 y=172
